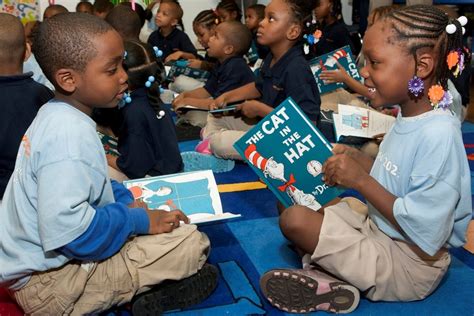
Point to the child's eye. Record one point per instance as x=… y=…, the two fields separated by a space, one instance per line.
x=112 y=71
x=271 y=19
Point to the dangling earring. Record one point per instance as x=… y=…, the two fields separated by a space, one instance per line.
x=416 y=86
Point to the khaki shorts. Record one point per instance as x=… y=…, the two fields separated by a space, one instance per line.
x=353 y=249
x=85 y=288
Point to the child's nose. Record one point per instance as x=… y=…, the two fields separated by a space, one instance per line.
x=364 y=72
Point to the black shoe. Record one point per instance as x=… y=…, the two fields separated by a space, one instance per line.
x=171 y=295
x=186 y=131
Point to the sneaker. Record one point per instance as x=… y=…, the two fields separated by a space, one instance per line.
x=171 y=295
x=203 y=147
x=194 y=161
x=304 y=291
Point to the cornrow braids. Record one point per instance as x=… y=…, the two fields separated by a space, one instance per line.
x=230 y=6
x=207 y=18
x=141 y=63
x=424 y=26
x=302 y=11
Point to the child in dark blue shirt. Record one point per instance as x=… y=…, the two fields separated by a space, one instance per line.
x=147 y=140
x=22 y=96
x=229 y=43
x=253 y=16
x=284 y=73
x=168 y=38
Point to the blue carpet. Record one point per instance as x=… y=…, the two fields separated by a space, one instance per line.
x=247 y=247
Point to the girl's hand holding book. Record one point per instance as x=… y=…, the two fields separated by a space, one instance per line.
x=342 y=169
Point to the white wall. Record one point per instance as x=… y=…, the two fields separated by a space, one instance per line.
x=192 y=7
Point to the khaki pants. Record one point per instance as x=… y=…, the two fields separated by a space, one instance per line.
x=224 y=131
x=144 y=261
x=352 y=248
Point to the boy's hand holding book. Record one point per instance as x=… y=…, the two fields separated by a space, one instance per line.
x=254 y=108
x=164 y=222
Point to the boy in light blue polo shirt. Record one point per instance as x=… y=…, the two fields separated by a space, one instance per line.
x=66 y=231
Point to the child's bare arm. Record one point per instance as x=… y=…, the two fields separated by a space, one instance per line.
x=199 y=103
x=249 y=91
x=179 y=55
x=340 y=75
x=112 y=161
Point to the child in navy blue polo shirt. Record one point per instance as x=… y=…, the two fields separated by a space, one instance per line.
x=25 y=96
x=229 y=43
x=284 y=73
x=168 y=38
x=253 y=16
x=147 y=140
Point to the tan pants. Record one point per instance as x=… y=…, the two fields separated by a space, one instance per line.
x=223 y=132
x=353 y=249
x=144 y=261
x=329 y=101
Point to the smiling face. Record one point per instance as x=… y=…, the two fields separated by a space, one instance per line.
x=388 y=67
x=203 y=34
x=274 y=27
x=104 y=80
x=166 y=15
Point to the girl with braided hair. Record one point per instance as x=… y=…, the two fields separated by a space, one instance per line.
x=418 y=189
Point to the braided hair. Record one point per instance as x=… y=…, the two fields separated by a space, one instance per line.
x=302 y=11
x=230 y=6
x=141 y=63
x=206 y=18
x=424 y=26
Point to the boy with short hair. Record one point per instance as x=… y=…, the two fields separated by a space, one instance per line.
x=22 y=95
x=125 y=21
x=66 y=231
x=228 y=45
x=168 y=38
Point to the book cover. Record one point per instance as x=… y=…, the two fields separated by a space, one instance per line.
x=329 y=61
x=287 y=152
x=195 y=193
x=360 y=122
x=110 y=144
x=180 y=67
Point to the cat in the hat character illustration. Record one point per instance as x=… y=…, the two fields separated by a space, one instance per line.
x=145 y=194
x=298 y=196
x=331 y=61
x=270 y=167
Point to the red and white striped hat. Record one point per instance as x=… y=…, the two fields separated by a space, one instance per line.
x=340 y=53
x=255 y=158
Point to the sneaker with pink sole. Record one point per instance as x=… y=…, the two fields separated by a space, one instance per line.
x=304 y=291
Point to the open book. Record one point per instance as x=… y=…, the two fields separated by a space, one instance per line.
x=287 y=152
x=329 y=61
x=180 y=67
x=360 y=122
x=188 y=108
x=195 y=193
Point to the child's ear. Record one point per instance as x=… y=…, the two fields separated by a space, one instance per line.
x=229 y=49
x=425 y=65
x=174 y=22
x=294 y=32
x=66 y=79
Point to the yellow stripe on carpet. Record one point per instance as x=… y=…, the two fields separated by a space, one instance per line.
x=244 y=186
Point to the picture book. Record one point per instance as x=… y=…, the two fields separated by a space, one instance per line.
x=195 y=193
x=360 y=122
x=287 y=152
x=329 y=61
x=180 y=67
x=188 y=108
x=110 y=144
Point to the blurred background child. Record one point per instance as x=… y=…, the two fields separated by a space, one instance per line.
x=168 y=38
x=228 y=10
x=253 y=16
x=85 y=7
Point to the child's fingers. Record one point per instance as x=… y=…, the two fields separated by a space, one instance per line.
x=340 y=66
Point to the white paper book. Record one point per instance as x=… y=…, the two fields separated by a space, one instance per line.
x=194 y=193
x=361 y=122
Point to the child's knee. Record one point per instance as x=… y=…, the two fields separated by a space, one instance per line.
x=292 y=220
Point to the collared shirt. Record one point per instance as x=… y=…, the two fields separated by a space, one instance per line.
x=290 y=76
x=22 y=98
x=334 y=36
x=177 y=40
x=231 y=74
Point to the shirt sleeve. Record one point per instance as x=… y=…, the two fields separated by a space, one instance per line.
x=110 y=228
x=186 y=45
x=121 y=193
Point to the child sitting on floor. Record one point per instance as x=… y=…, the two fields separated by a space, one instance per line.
x=284 y=73
x=229 y=43
x=147 y=140
x=168 y=38
x=418 y=188
x=253 y=16
x=66 y=231
x=23 y=97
